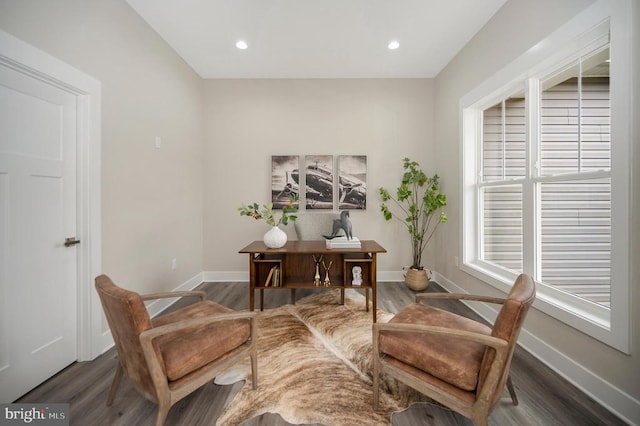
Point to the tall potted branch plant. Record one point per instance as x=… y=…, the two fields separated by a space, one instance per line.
x=417 y=202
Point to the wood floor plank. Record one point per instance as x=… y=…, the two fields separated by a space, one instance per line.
x=545 y=397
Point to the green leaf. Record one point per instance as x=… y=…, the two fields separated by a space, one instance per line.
x=417 y=200
x=384 y=194
x=404 y=192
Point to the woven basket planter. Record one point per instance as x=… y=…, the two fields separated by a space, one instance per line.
x=417 y=279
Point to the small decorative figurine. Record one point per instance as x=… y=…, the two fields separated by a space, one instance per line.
x=357 y=275
x=327 y=282
x=316 y=279
x=343 y=223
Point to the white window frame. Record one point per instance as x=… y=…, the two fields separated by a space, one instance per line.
x=604 y=19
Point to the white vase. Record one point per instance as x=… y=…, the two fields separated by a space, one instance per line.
x=275 y=237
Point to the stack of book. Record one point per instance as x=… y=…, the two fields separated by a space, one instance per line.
x=342 y=243
x=273 y=279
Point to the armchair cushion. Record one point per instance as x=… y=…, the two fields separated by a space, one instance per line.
x=184 y=353
x=468 y=396
x=454 y=361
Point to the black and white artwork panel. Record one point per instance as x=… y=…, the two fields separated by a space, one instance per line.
x=352 y=182
x=285 y=174
x=319 y=181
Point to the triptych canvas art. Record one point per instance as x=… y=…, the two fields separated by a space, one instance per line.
x=317 y=184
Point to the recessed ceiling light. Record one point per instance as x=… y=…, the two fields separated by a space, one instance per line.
x=393 y=45
x=241 y=45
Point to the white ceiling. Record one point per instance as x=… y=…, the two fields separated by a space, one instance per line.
x=317 y=38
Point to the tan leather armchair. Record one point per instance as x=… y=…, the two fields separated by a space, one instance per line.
x=174 y=354
x=458 y=362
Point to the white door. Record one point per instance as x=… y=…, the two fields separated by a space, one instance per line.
x=38 y=273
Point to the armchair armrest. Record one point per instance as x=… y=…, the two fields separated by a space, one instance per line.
x=494 y=342
x=146 y=337
x=171 y=294
x=459 y=296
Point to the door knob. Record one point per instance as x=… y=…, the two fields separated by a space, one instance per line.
x=70 y=241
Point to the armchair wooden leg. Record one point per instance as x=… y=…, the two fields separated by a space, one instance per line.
x=480 y=420
x=376 y=388
x=253 y=353
x=376 y=369
x=163 y=410
x=512 y=391
x=254 y=369
x=114 y=385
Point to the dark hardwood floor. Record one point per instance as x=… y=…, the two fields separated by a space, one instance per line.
x=545 y=398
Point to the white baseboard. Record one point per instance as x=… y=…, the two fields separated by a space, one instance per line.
x=614 y=399
x=225 y=276
x=159 y=305
x=384 y=276
x=106 y=342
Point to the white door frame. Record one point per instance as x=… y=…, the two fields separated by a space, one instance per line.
x=35 y=63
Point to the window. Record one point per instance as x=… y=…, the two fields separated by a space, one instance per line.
x=544 y=173
x=503 y=161
x=570 y=180
x=575 y=211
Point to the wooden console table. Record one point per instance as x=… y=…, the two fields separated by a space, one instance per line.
x=297 y=268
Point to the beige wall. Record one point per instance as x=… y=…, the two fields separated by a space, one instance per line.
x=526 y=23
x=248 y=121
x=151 y=198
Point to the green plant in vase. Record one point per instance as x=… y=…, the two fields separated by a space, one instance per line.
x=417 y=202
x=275 y=237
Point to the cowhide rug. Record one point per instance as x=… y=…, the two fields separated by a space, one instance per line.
x=314 y=366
